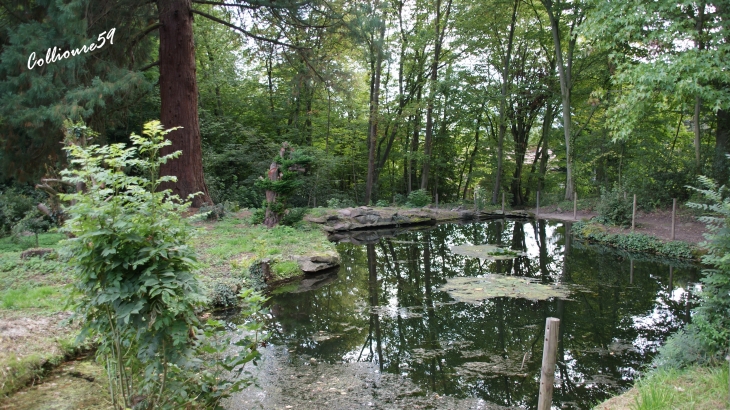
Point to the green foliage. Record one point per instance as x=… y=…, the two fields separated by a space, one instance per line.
x=614 y=209
x=281 y=182
x=337 y=203
x=692 y=388
x=633 y=242
x=293 y=216
x=480 y=198
x=15 y=203
x=258 y=215
x=382 y=203
x=133 y=268
x=43 y=297
x=34 y=222
x=418 y=198
x=223 y=296
x=711 y=319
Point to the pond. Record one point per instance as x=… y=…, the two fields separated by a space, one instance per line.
x=383 y=332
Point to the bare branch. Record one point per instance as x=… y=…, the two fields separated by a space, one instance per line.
x=244 y=31
x=150 y=65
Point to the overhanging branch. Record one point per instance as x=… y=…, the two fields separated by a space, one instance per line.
x=244 y=31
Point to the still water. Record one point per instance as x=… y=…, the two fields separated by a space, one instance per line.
x=381 y=332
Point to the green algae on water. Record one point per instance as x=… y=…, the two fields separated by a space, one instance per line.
x=477 y=289
x=490 y=252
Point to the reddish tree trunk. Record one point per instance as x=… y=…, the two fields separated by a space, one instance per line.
x=179 y=96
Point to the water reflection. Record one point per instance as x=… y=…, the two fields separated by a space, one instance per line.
x=387 y=308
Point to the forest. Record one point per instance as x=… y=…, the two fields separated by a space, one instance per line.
x=387 y=97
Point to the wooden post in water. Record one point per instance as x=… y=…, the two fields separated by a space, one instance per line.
x=633 y=215
x=503 y=204
x=674 y=214
x=575 y=205
x=537 y=212
x=671 y=280
x=549 y=355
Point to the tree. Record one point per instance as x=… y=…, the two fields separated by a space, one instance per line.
x=179 y=100
x=655 y=66
x=556 y=10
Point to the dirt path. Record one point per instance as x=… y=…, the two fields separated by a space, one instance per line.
x=657 y=223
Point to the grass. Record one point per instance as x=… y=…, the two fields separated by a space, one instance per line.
x=694 y=388
x=32 y=293
x=44 y=297
x=700 y=388
x=227 y=248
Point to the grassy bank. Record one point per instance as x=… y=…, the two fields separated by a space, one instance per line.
x=701 y=388
x=635 y=242
x=34 y=335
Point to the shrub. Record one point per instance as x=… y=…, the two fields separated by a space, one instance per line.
x=223 y=296
x=614 y=209
x=15 y=203
x=136 y=292
x=418 y=198
x=711 y=319
x=293 y=216
x=382 y=202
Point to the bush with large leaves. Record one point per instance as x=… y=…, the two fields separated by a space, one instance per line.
x=136 y=291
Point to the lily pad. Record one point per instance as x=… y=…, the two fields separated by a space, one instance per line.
x=477 y=289
x=491 y=252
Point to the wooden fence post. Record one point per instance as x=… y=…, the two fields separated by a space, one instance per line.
x=633 y=215
x=549 y=355
x=575 y=205
x=537 y=212
x=502 y=204
x=674 y=214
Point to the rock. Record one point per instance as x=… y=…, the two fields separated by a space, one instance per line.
x=316 y=281
x=33 y=252
x=367 y=219
x=467 y=215
x=318 y=263
x=345 y=212
x=355 y=212
x=342 y=226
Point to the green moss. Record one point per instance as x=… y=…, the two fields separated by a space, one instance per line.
x=286 y=269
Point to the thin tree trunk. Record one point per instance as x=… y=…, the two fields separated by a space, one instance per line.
x=428 y=141
x=564 y=73
x=503 y=105
x=473 y=152
x=179 y=100
x=376 y=67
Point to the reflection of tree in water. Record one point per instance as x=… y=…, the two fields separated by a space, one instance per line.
x=387 y=307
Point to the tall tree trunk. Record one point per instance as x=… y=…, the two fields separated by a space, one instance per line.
x=415 y=141
x=179 y=100
x=376 y=67
x=565 y=68
x=503 y=105
x=428 y=141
